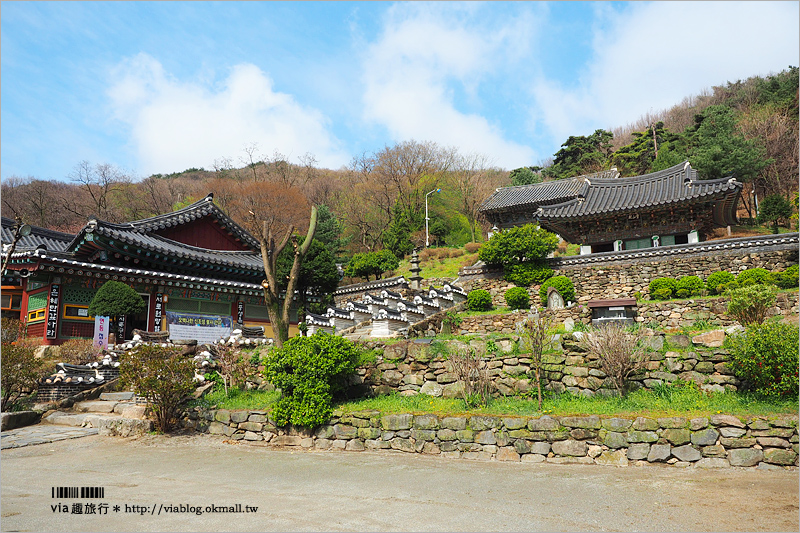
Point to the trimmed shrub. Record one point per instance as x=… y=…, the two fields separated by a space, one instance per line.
x=163 y=376
x=116 y=299
x=562 y=284
x=472 y=247
x=479 y=300
x=527 y=274
x=517 y=245
x=753 y=276
x=310 y=372
x=517 y=298
x=659 y=286
x=749 y=304
x=718 y=282
x=683 y=293
x=788 y=279
x=693 y=284
x=765 y=356
x=661 y=294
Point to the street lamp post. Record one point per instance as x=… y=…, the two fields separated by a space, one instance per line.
x=20 y=230
x=427 y=237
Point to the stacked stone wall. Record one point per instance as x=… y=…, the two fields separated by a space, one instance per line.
x=419 y=367
x=668 y=315
x=625 y=278
x=717 y=441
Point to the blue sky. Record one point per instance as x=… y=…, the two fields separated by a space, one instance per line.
x=158 y=87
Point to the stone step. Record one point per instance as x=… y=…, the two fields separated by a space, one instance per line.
x=94 y=406
x=107 y=424
x=116 y=396
x=126 y=409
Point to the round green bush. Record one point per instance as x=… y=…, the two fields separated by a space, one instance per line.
x=717 y=282
x=310 y=372
x=562 y=284
x=765 y=356
x=661 y=294
x=517 y=298
x=479 y=300
x=658 y=284
x=683 y=293
x=753 y=276
x=693 y=284
x=788 y=279
x=527 y=274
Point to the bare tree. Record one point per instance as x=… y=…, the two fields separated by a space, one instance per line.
x=620 y=352
x=474 y=180
x=471 y=370
x=278 y=305
x=536 y=338
x=101 y=185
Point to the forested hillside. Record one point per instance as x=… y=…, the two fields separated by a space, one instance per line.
x=747 y=129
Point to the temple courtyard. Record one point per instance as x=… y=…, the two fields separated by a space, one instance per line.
x=202 y=483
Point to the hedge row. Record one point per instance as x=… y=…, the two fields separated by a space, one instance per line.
x=720 y=282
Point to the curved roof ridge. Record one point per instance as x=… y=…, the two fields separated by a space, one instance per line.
x=197 y=206
x=194 y=211
x=8 y=223
x=652 y=176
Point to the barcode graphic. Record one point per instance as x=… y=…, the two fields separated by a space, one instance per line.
x=78 y=492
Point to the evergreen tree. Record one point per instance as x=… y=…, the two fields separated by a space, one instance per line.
x=774 y=208
x=329 y=231
x=719 y=150
x=525 y=176
x=581 y=155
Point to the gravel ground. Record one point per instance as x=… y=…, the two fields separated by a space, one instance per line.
x=371 y=491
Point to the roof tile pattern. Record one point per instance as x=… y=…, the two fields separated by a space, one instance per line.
x=605 y=193
x=51 y=239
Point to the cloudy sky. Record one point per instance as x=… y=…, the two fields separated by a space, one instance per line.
x=159 y=87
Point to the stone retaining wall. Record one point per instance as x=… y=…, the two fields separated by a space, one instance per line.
x=415 y=367
x=717 y=441
x=669 y=315
x=624 y=278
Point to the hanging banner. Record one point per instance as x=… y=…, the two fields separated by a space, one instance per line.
x=240 y=313
x=52 y=311
x=202 y=328
x=101 y=329
x=159 y=310
x=120 y=329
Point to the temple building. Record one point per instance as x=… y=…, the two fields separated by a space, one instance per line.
x=195 y=261
x=603 y=212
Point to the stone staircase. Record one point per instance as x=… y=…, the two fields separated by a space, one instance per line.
x=114 y=414
x=388 y=313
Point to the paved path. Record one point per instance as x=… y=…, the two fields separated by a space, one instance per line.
x=370 y=491
x=41 y=434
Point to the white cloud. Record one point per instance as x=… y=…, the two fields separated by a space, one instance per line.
x=425 y=54
x=177 y=125
x=652 y=55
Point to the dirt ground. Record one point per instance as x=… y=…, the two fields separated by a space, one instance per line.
x=369 y=491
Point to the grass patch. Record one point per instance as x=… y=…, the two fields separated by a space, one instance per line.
x=682 y=400
x=438 y=267
x=237 y=399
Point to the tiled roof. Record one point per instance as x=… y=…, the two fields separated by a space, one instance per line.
x=677 y=184
x=141 y=234
x=51 y=239
x=56 y=262
x=589 y=195
x=199 y=209
x=247 y=260
x=540 y=194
